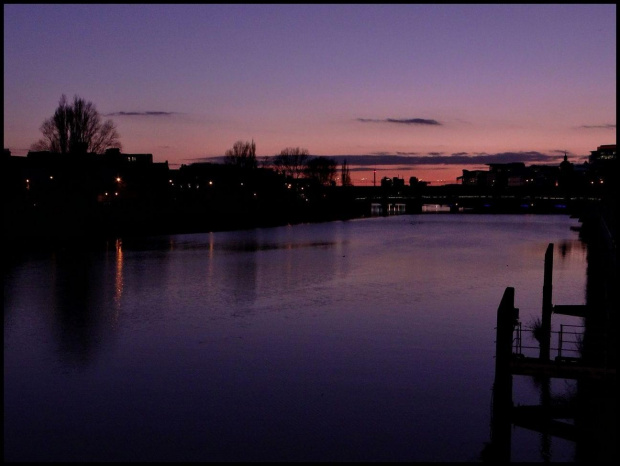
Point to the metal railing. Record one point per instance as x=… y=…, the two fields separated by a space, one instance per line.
x=568 y=340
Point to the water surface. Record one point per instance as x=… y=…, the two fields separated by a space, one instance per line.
x=365 y=340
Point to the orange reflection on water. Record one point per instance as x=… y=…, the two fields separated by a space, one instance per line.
x=118 y=279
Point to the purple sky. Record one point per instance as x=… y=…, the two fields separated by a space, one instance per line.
x=184 y=82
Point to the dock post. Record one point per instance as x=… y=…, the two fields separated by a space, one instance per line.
x=507 y=316
x=547 y=305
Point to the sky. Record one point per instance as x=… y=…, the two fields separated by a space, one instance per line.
x=422 y=90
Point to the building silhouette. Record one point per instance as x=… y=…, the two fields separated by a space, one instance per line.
x=601 y=167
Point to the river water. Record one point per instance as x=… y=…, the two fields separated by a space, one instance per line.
x=364 y=340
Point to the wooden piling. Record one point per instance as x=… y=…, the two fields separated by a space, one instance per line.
x=547 y=305
x=507 y=316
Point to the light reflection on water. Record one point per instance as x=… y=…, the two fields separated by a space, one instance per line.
x=367 y=340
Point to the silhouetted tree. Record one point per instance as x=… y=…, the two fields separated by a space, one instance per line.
x=77 y=129
x=322 y=170
x=291 y=161
x=345 y=176
x=242 y=155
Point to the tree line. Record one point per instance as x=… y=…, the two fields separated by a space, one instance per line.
x=292 y=163
x=76 y=128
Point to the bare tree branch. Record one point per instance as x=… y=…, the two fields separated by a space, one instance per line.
x=291 y=161
x=77 y=129
x=322 y=170
x=242 y=155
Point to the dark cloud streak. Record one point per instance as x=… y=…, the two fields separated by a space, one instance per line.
x=608 y=126
x=461 y=158
x=152 y=113
x=402 y=121
x=402 y=161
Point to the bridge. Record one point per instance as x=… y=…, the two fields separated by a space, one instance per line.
x=457 y=198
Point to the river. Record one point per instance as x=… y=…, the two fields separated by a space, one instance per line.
x=362 y=340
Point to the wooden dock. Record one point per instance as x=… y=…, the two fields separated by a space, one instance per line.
x=565 y=368
x=548 y=418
